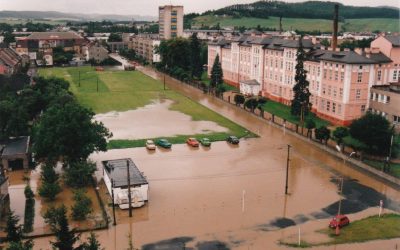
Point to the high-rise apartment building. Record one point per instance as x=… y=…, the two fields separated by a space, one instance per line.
x=170 y=21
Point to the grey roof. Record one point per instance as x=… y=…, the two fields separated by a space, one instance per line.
x=16 y=146
x=394 y=40
x=348 y=57
x=380 y=58
x=250 y=82
x=117 y=171
x=54 y=36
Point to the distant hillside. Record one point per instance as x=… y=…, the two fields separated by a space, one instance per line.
x=310 y=9
x=304 y=16
x=70 y=16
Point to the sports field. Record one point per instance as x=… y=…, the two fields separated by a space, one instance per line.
x=128 y=90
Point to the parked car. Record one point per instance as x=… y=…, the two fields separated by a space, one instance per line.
x=150 y=145
x=232 y=139
x=164 y=143
x=340 y=220
x=192 y=142
x=205 y=142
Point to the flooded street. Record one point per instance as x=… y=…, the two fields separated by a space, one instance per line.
x=232 y=197
x=154 y=120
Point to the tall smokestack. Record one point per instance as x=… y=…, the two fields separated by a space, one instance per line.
x=335 y=27
x=280 y=25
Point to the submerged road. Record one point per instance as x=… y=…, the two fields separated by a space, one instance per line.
x=232 y=197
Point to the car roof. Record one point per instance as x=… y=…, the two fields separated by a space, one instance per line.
x=149 y=141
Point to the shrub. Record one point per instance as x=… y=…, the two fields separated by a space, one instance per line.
x=79 y=174
x=50 y=186
x=323 y=134
x=239 y=99
x=83 y=205
x=29 y=214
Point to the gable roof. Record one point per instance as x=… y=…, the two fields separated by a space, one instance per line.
x=9 y=57
x=394 y=40
x=252 y=82
x=16 y=147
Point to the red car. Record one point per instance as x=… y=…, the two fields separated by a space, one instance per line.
x=340 y=220
x=192 y=142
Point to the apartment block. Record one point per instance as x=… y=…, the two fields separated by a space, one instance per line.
x=145 y=45
x=340 y=81
x=170 y=21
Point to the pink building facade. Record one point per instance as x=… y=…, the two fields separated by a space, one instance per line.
x=340 y=81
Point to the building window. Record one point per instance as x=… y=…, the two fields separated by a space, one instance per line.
x=358 y=94
x=329 y=90
x=333 y=107
x=328 y=106
x=395 y=75
x=334 y=92
x=341 y=76
x=340 y=92
x=336 y=75
x=396 y=119
x=379 y=75
x=360 y=67
x=359 y=77
x=339 y=109
x=387 y=99
x=362 y=108
x=325 y=73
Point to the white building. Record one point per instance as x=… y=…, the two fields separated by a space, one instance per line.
x=115 y=178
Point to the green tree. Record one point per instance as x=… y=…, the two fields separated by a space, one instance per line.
x=216 y=74
x=374 y=131
x=339 y=134
x=69 y=132
x=92 y=243
x=251 y=104
x=50 y=186
x=29 y=214
x=79 y=174
x=83 y=205
x=301 y=101
x=323 y=134
x=27 y=245
x=195 y=60
x=239 y=99
x=310 y=125
x=13 y=230
x=325 y=42
x=57 y=219
x=114 y=37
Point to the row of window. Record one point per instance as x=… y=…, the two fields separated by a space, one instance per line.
x=333 y=75
x=380 y=98
x=332 y=91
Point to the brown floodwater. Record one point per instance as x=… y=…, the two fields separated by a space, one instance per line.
x=234 y=195
x=154 y=120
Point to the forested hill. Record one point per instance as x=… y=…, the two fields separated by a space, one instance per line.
x=310 y=9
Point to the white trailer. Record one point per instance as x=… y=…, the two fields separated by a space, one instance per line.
x=115 y=175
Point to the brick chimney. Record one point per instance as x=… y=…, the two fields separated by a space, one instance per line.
x=335 y=27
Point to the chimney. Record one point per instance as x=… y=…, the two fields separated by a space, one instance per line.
x=335 y=27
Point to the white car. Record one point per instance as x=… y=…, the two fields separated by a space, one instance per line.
x=150 y=145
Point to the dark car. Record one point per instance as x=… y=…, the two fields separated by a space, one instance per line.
x=339 y=220
x=164 y=143
x=232 y=139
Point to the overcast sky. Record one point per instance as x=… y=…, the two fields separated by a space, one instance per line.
x=144 y=7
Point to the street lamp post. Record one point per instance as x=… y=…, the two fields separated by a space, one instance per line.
x=287 y=169
x=113 y=205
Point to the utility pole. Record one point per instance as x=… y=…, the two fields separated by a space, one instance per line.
x=113 y=205
x=341 y=191
x=129 y=189
x=287 y=169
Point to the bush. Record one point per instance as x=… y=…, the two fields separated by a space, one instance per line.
x=29 y=214
x=50 y=186
x=79 y=174
x=239 y=99
x=323 y=134
x=82 y=207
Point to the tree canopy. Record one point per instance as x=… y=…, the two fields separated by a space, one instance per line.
x=374 y=131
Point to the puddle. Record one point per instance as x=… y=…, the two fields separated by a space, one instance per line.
x=154 y=120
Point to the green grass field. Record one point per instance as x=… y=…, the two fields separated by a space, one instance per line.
x=128 y=90
x=323 y=25
x=367 y=229
x=283 y=111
